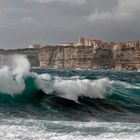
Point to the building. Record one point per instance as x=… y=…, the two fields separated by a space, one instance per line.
x=88 y=42
x=82 y=42
x=34 y=46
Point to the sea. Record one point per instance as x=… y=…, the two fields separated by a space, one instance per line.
x=50 y=104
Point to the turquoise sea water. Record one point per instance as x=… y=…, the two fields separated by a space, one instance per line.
x=50 y=104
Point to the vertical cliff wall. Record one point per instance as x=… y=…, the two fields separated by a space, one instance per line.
x=75 y=57
x=79 y=57
x=127 y=59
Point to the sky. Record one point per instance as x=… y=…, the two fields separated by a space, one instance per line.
x=24 y=22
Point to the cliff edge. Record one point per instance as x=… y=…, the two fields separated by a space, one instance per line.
x=84 y=57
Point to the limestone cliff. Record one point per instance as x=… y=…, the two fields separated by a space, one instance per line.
x=75 y=57
x=59 y=57
x=90 y=58
x=127 y=59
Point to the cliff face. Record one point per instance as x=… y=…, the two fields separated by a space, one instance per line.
x=75 y=57
x=80 y=57
x=127 y=59
x=90 y=58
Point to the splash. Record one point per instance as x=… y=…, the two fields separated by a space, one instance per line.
x=18 y=64
x=17 y=69
x=12 y=74
x=72 y=89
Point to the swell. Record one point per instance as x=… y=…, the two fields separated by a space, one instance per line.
x=120 y=103
x=68 y=94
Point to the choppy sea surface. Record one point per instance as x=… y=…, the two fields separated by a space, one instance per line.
x=48 y=104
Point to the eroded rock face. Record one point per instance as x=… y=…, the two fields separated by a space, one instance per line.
x=90 y=58
x=127 y=59
x=75 y=57
x=119 y=59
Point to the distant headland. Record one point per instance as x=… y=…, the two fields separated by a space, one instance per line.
x=83 y=54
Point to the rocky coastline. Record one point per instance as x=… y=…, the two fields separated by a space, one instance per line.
x=83 y=57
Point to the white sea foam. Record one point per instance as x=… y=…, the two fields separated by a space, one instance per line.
x=72 y=89
x=63 y=130
x=11 y=75
x=18 y=64
x=12 y=81
x=42 y=83
x=10 y=84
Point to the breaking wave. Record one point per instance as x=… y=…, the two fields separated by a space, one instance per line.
x=15 y=75
x=67 y=94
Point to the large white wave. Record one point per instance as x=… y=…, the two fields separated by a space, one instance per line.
x=17 y=68
x=18 y=64
x=14 y=73
x=72 y=89
x=11 y=75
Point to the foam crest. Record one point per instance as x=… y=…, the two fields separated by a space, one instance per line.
x=72 y=89
x=41 y=82
x=19 y=64
x=12 y=74
x=10 y=84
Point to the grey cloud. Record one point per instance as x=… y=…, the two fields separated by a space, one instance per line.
x=22 y=22
x=63 y=1
x=126 y=9
x=120 y=23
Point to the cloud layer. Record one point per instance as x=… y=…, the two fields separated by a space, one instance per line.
x=63 y=1
x=126 y=9
x=54 y=21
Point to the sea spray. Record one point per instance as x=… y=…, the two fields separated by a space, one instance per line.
x=72 y=89
x=68 y=104
x=17 y=71
x=9 y=83
x=17 y=79
x=18 y=64
x=13 y=75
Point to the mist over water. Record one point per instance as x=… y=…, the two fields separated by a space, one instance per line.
x=67 y=104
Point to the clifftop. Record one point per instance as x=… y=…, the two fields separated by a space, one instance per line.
x=120 y=56
x=103 y=44
x=89 y=57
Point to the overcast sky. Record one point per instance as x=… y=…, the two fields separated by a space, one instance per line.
x=24 y=22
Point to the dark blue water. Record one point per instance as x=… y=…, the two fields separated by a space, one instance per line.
x=72 y=104
x=111 y=96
